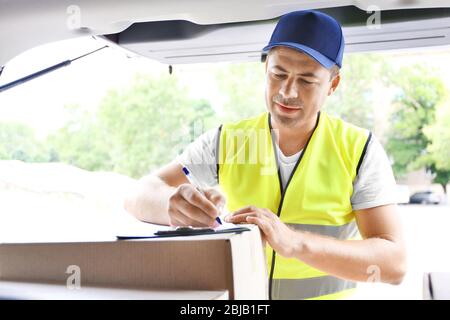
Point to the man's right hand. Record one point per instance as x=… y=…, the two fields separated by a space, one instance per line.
x=189 y=207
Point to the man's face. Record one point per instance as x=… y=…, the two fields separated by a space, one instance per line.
x=296 y=86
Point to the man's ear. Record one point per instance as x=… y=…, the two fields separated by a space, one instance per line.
x=334 y=84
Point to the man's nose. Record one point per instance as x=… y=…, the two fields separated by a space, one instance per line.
x=289 y=89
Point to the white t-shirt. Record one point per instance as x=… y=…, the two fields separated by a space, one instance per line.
x=373 y=186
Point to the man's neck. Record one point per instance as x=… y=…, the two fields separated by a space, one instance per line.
x=293 y=139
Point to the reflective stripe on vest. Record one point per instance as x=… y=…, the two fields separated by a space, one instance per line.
x=316 y=198
x=288 y=289
x=346 y=231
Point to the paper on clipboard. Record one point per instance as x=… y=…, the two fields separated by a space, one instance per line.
x=141 y=230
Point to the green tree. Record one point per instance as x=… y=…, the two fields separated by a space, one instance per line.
x=134 y=130
x=81 y=142
x=441 y=176
x=18 y=142
x=439 y=148
x=149 y=123
x=415 y=105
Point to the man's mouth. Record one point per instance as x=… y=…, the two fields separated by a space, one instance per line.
x=287 y=109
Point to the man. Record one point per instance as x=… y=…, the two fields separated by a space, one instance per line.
x=315 y=182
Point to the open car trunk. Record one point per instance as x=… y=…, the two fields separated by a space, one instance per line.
x=207 y=31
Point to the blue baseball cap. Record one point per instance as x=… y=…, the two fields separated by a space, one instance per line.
x=312 y=32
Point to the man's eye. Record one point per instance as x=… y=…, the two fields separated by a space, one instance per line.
x=278 y=76
x=306 y=82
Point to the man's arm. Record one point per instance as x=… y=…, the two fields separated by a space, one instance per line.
x=168 y=198
x=380 y=256
x=149 y=199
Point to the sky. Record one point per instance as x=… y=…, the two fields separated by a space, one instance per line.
x=39 y=103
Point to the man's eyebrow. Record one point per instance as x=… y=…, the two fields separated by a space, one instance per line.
x=280 y=68
x=304 y=74
x=308 y=74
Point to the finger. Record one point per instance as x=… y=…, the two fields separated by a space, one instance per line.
x=199 y=200
x=263 y=224
x=241 y=218
x=245 y=209
x=195 y=213
x=215 y=197
x=185 y=220
x=174 y=222
x=268 y=213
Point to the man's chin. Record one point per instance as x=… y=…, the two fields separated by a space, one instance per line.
x=288 y=121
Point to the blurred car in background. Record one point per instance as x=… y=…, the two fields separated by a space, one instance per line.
x=426 y=197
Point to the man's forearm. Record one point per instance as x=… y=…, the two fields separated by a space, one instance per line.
x=373 y=259
x=149 y=200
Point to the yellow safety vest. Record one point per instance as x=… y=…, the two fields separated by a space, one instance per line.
x=316 y=198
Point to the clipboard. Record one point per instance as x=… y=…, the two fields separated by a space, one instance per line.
x=186 y=231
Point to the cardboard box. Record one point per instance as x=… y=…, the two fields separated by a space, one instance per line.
x=223 y=262
x=34 y=291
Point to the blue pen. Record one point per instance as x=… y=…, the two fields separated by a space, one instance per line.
x=196 y=184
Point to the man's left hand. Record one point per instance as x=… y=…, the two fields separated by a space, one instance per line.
x=280 y=237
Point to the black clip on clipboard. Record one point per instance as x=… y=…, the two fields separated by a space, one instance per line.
x=186 y=231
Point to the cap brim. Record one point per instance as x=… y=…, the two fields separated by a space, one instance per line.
x=320 y=58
